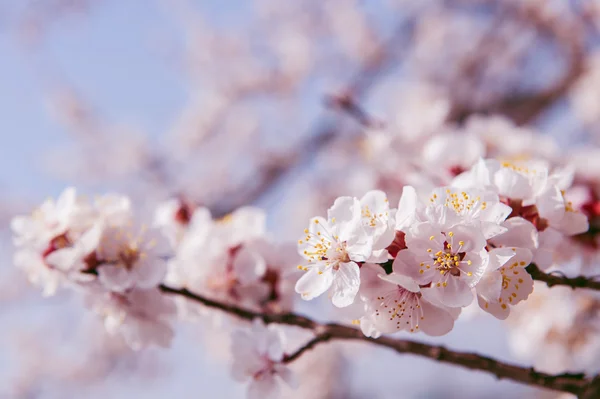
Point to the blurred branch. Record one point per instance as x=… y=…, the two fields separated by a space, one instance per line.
x=567 y=382
x=523 y=108
x=346 y=103
x=271 y=174
x=557 y=278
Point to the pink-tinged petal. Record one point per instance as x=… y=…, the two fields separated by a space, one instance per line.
x=275 y=344
x=346 y=284
x=65 y=259
x=244 y=352
x=264 y=387
x=473 y=272
x=490 y=286
x=512 y=184
x=471 y=237
x=420 y=269
x=115 y=277
x=480 y=175
x=494 y=308
x=90 y=240
x=386 y=238
x=376 y=201
x=359 y=246
x=312 y=283
x=520 y=233
x=496 y=213
x=544 y=258
x=149 y=272
x=423 y=236
x=574 y=223
x=407 y=208
x=239 y=371
x=456 y=293
x=380 y=256
x=286 y=375
x=491 y=230
x=368 y=328
x=403 y=281
x=248 y=265
x=550 y=204
x=435 y=321
x=499 y=257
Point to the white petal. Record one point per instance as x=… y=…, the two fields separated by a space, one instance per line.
x=520 y=233
x=312 y=284
x=408 y=265
x=265 y=387
x=344 y=216
x=149 y=272
x=286 y=375
x=403 y=281
x=346 y=283
x=490 y=286
x=551 y=204
x=115 y=277
x=376 y=200
x=574 y=223
x=499 y=257
x=456 y=293
x=407 y=208
x=248 y=265
x=435 y=321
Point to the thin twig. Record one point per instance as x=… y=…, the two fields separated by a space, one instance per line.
x=319 y=338
x=552 y=279
x=573 y=383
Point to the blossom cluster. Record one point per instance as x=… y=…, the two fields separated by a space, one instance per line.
x=415 y=267
x=410 y=268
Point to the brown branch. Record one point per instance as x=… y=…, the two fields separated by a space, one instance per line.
x=556 y=278
x=319 y=338
x=573 y=383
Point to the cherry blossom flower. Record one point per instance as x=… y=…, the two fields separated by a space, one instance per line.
x=394 y=302
x=439 y=152
x=52 y=229
x=530 y=190
x=449 y=262
x=142 y=317
x=506 y=282
x=378 y=221
x=332 y=247
x=127 y=259
x=258 y=356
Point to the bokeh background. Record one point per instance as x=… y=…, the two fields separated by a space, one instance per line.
x=263 y=102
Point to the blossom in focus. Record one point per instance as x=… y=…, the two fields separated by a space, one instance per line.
x=378 y=221
x=394 y=303
x=506 y=282
x=332 y=247
x=258 y=356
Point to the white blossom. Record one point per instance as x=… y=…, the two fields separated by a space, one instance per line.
x=258 y=356
x=332 y=247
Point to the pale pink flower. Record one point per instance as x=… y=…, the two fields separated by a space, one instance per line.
x=505 y=282
x=258 y=356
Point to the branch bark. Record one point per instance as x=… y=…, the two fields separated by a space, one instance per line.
x=577 y=384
